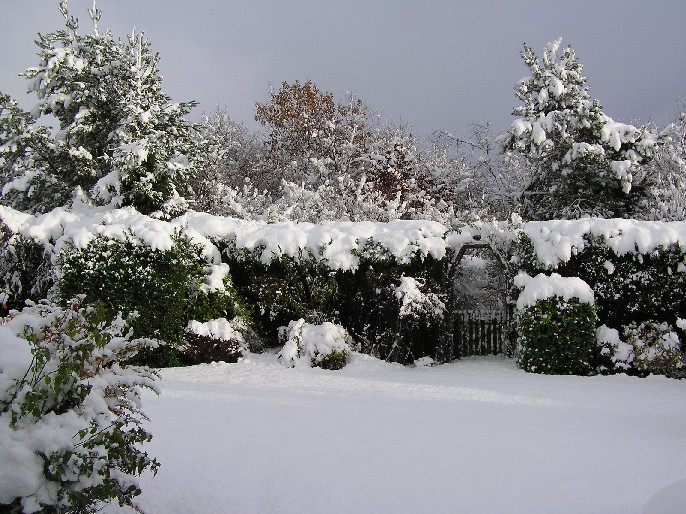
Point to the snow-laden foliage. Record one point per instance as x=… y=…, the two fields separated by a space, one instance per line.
x=119 y=139
x=215 y=340
x=414 y=302
x=556 y=321
x=588 y=164
x=637 y=271
x=324 y=345
x=70 y=410
x=667 y=198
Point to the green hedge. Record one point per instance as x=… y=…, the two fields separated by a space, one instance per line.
x=162 y=287
x=557 y=337
x=363 y=301
x=631 y=288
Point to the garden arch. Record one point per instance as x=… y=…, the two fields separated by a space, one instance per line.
x=480 y=327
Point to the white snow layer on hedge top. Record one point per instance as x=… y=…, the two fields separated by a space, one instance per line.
x=543 y=287
x=335 y=242
x=557 y=240
x=307 y=344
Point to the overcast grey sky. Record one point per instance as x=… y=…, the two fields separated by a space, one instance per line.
x=438 y=64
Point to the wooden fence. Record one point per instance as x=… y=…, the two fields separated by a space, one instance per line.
x=479 y=332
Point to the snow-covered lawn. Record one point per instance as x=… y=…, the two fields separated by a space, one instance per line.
x=477 y=435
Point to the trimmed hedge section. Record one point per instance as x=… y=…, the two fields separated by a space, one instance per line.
x=557 y=337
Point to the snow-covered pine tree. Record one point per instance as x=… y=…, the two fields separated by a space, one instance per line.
x=588 y=164
x=119 y=140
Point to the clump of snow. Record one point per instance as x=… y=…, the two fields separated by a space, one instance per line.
x=620 y=352
x=307 y=344
x=543 y=287
x=424 y=362
x=415 y=302
x=220 y=329
x=214 y=279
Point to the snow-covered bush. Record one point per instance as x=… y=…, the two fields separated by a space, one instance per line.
x=26 y=272
x=165 y=288
x=323 y=345
x=657 y=348
x=214 y=340
x=421 y=314
x=642 y=349
x=556 y=322
x=70 y=411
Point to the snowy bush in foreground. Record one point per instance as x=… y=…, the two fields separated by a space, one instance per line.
x=70 y=412
x=556 y=325
x=326 y=346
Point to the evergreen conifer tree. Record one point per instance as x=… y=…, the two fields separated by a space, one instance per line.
x=119 y=139
x=588 y=164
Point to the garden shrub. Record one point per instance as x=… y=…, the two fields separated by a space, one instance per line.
x=420 y=317
x=375 y=310
x=556 y=337
x=285 y=289
x=556 y=326
x=324 y=345
x=163 y=289
x=363 y=300
x=26 y=272
x=214 y=340
x=62 y=373
x=657 y=348
x=643 y=349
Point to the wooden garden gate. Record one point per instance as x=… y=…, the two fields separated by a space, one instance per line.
x=479 y=332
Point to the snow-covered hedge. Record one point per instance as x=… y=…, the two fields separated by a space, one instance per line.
x=636 y=269
x=341 y=272
x=556 y=323
x=70 y=418
x=389 y=284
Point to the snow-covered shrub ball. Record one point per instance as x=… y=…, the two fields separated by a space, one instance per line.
x=326 y=345
x=70 y=416
x=214 y=340
x=556 y=325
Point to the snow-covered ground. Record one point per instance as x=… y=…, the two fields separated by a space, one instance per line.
x=477 y=435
